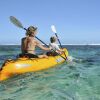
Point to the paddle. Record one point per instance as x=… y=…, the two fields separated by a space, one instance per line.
x=54 y=30
x=17 y=23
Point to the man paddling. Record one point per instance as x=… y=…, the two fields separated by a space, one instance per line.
x=29 y=43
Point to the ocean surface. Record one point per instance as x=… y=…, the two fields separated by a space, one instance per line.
x=78 y=79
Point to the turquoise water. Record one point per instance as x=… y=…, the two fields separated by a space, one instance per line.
x=79 y=79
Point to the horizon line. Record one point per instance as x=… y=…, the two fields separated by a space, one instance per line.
x=63 y=44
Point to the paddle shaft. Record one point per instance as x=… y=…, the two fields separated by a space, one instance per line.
x=60 y=44
x=46 y=45
x=58 y=40
x=17 y=23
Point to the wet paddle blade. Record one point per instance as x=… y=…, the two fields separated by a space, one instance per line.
x=53 y=29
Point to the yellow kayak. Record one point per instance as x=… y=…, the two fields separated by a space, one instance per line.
x=23 y=65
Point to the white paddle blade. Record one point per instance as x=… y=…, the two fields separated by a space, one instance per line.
x=16 y=22
x=53 y=29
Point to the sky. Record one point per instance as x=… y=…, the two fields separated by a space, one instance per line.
x=76 y=21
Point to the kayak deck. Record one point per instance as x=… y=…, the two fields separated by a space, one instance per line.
x=23 y=65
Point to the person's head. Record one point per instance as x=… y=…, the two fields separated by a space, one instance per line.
x=31 y=31
x=53 y=39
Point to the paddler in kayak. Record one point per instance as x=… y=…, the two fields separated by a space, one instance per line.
x=55 y=47
x=29 y=43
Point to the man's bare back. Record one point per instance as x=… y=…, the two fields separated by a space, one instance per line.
x=29 y=43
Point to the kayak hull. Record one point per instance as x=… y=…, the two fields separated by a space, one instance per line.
x=24 y=65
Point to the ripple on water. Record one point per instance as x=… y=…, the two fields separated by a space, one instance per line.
x=76 y=80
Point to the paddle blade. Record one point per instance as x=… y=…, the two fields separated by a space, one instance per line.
x=53 y=29
x=16 y=22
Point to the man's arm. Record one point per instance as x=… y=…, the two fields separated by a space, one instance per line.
x=41 y=46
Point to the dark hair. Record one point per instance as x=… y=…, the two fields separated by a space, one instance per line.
x=52 y=39
x=31 y=28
